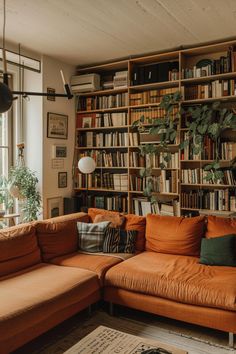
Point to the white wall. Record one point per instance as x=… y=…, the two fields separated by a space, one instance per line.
x=52 y=78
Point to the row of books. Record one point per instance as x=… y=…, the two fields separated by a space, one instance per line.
x=116 y=202
x=93 y=139
x=209 y=152
x=154 y=161
x=199 y=176
x=215 y=89
x=114 y=181
x=108 y=159
x=102 y=102
x=142 y=207
x=150 y=96
x=97 y=120
x=149 y=113
x=218 y=199
x=167 y=182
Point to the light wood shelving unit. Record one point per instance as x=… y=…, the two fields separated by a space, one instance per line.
x=186 y=58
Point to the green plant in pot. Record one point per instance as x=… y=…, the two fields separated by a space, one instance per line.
x=22 y=184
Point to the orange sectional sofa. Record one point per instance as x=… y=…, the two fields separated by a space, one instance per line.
x=45 y=280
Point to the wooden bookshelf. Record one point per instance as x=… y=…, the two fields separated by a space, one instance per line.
x=179 y=63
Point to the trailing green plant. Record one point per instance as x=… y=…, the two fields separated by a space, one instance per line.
x=166 y=128
x=211 y=121
x=22 y=178
x=201 y=121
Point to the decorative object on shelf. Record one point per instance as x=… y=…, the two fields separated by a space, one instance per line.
x=6 y=95
x=54 y=207
x=62 y=179
x=57 y=126
x=87 y=122
x=86 y=165
x=59 y=151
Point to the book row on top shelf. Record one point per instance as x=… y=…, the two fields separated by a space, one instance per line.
x=129 y=89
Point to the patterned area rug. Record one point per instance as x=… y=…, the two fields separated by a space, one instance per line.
x=193 y=339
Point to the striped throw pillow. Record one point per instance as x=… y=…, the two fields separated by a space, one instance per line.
x=91 y=236
x=119 y=241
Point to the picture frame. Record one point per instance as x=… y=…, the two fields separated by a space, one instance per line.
x=57 y=163
x=57 y=126
x=62 y=179
x=54 y=207
x=87 y=122
x=59 y=151
x=51 y=90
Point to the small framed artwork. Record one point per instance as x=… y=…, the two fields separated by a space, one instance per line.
x=59 y=151
x=54 y=207
x=86 y=122
x=57 y=163
x=62 y=179
x=57 y=126
x=51 y=91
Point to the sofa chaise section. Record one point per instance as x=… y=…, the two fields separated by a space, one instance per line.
x=175 y=286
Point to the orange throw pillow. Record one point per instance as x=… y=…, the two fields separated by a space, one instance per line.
x=93 y=212
x=175 y=235
x=138 y=223
x=116 y=221
x=217 y=226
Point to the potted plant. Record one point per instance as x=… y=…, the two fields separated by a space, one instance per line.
x=22 y=184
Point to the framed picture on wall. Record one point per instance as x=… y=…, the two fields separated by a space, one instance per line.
x=86 y=122
x=62 y=179
x=59 y=151
x=54 y=207
x=57 y=126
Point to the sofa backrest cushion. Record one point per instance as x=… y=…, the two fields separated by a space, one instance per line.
x=93 y=212
x=138 y=223
x=175 y=235
x=217 y=226
x=18 y=248
x=57 y=238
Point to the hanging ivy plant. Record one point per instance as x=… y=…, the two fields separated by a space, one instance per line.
x=201 y=121
x=208 y=121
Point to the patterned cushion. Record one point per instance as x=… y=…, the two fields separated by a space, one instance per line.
x=119 y=241
x=91 y=236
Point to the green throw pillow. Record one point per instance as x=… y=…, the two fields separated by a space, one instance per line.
x=219 y=251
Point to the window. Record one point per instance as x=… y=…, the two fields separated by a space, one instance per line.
x=5 y=142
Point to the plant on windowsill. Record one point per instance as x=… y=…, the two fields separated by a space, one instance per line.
x=22 y=185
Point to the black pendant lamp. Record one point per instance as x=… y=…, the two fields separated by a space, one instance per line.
x=6 y=95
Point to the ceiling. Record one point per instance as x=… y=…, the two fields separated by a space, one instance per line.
x=90 y=31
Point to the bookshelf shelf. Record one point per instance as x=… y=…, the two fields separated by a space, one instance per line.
x=163 y=84
x=106 y=110
x=104 y=128
x=147 y=81
x=103 y=92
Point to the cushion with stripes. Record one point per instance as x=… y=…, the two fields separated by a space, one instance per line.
x=119 y=241
x=91 y=236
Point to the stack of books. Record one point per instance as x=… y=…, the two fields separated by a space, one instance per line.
x=120 y=79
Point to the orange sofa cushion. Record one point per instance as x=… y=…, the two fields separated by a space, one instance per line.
x=138 y=223
x=217 y=226
x=93 y=212
x=18 y=248
x=57 y=239
x=98 y=264
x=175 y=235
x=116 y=221
x=177 y=278
x=37 y=294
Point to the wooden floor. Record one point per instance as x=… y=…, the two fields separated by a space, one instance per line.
x=194 y=339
